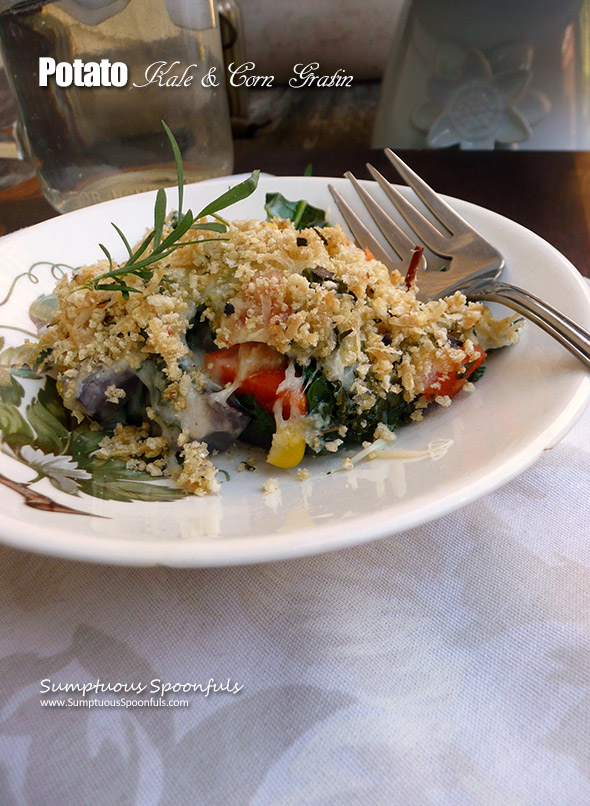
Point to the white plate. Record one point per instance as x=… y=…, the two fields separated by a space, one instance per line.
x=530 y=396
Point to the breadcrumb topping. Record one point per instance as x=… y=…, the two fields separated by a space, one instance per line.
x=270 y=486
x=114 y=395
x=137 y=446
x=322 y=300
x=198 y=473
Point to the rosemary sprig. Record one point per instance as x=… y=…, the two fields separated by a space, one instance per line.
x=140 y=262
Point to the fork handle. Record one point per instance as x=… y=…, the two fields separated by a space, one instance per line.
x=565 y=330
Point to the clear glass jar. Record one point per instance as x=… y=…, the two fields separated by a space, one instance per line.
x=93 y=143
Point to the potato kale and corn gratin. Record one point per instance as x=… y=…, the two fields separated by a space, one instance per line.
x=275 y=333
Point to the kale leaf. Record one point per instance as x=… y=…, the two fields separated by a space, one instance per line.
x=261 y=427
x=336 y=407
x=477 y=373
x=301 y=213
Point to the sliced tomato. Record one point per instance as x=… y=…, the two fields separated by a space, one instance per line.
x=223 y=365
x=264 y=386
x=242 y=360
x=448 y=384
x=260 y=370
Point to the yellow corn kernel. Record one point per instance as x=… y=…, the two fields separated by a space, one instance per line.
x=288 y=447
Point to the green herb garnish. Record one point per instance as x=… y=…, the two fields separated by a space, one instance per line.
x=139 y=262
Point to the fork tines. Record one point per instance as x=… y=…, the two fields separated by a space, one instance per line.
x=361 y=233
x=442 y=211
x=454 y=236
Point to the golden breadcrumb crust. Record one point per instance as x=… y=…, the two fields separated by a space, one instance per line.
x=311 y=294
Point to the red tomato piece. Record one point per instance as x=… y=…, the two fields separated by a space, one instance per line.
x=294 y=401
x=222 y=365
x=261 y=370
x=263 y=385
x=245 y=359
x=448 y=384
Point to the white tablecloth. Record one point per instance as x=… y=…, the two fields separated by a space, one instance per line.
x=447 y=665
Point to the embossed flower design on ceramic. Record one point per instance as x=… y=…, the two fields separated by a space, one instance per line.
x=476 y=102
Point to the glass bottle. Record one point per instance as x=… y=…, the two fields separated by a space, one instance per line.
x=92 y=143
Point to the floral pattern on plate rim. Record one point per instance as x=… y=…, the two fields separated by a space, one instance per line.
x=37 y=431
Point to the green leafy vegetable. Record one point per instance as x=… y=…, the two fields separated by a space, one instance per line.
x=262 y=425
x=140 y=262
x=301 y=213
x=336 y=407
x=477 y=373
x=320 y=395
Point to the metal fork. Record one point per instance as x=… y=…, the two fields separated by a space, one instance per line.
x=475 y=265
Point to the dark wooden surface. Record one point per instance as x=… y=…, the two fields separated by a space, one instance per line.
x=548 y=192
